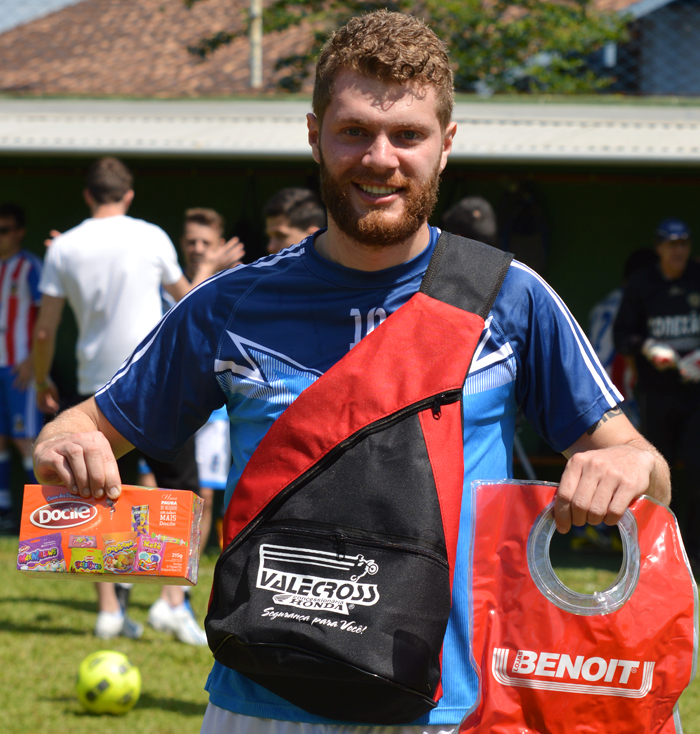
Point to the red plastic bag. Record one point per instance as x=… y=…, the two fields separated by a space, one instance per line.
x=552 y=660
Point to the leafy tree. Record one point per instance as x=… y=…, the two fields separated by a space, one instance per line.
x=496 y=45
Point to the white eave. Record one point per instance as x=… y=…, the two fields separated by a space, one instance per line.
x=487 y=132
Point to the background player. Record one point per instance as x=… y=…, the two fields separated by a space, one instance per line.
x=202 y=235
x=290 y=215
x=110 y=269
x=472 y=217
x=203 y=231
x=20 y=420
x=658 y=324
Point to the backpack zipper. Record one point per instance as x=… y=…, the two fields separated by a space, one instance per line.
x=434 y=402
x=340 y=539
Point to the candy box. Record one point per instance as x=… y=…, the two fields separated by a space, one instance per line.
x=145 y=535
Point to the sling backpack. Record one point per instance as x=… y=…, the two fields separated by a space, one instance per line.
x=334 y=588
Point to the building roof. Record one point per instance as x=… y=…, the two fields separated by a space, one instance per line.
x=640 y=8
x=495 y=132
x=138 y=48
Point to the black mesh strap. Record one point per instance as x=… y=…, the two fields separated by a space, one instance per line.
x=465 y=273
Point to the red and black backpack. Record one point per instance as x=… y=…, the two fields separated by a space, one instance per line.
x=334 y=588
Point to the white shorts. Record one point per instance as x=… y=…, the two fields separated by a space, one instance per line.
x=213 y=453
x=221 y=721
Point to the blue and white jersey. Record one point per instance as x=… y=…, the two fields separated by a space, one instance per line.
x=255 y=337
x=601 y=321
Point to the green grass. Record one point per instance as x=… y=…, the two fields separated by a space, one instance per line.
x=46 y=630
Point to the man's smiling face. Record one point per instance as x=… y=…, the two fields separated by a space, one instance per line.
x=381 y=150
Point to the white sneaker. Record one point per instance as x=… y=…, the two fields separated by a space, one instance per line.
x=109 y=625
x=179 y=620
x=159 y=615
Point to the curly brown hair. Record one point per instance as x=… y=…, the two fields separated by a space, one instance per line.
x=391 y=47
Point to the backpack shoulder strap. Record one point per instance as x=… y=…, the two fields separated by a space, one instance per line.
x=408 y=368
x=465 y=273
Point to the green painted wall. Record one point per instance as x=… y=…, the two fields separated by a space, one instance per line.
x=596 y=215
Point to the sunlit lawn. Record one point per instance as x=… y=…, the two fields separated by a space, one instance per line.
x=46 y=630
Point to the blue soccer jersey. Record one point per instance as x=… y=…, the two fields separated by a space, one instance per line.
x=255 y=337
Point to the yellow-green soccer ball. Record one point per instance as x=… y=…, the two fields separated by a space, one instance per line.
x=108 y=683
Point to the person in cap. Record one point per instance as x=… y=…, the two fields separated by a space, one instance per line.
x=658 y=324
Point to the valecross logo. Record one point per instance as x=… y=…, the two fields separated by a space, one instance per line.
x=292 y=572
x=60 y=515
x=552 y=671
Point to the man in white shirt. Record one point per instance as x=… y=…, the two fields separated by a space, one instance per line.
x=110 y=269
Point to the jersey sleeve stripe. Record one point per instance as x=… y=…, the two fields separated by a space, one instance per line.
x=287 y=252
x=600 y=376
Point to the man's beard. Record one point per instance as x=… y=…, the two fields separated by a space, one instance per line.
x=374 y=228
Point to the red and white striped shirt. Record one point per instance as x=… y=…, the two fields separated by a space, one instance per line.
x=19 y=301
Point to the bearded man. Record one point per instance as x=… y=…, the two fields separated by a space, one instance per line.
x=254 y=338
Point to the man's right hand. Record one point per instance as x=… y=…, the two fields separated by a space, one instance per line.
x=82 y=462
x=79 y=449
x=231 y=254
x=219 y=257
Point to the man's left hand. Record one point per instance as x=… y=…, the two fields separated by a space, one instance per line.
x=608 y=468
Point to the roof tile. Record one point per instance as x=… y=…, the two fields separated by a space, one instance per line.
x=135 y=48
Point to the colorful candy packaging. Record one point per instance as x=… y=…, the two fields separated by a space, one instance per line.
x=149 y=554
x=86 y=560
x=43 y=553
x=119 y=552
x=145 y=535
x=139 y=519
x=82 y=541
